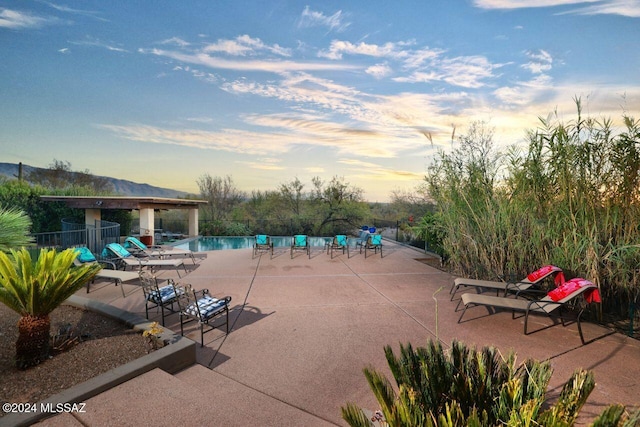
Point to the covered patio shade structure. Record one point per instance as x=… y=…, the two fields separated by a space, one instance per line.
x=93 y=206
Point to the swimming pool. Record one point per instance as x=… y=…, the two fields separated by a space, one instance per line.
x=217 y=243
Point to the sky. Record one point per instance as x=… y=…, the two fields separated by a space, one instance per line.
x=165 y=92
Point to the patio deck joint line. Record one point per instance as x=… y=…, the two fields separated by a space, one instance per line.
x=422 y=325
x=275 y=398
x=244 y=303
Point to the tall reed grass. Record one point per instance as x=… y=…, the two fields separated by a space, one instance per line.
x=571 y=199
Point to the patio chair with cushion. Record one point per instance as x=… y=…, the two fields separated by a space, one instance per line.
x=339 y=242
x=300 y=242
x=263 y=244
x=155 y=296
x=560 y=297
x=137 y=248
x=529 y=283
x=373 y=243
x=118 y=253
x=109 y=270
x=201 y=307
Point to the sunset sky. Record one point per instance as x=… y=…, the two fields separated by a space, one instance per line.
x=163 y=92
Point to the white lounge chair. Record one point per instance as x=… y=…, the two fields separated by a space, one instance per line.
x=109 y=270
x=137 y=248
x=119 y=253
x=525 y=284
x=552 y=302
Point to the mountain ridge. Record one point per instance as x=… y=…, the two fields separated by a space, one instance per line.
x=121 y=187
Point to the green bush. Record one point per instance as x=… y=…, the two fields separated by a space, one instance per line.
x=466 y=387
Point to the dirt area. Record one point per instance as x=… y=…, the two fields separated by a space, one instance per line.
x=103 y=345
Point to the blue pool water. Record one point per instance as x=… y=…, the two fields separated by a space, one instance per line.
x=219 y=243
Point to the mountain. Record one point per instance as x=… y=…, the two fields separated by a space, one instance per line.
x=121 y=187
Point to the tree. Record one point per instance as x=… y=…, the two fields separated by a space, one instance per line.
x=222 y=196
x=292 y=195
x=338 y=204
x=34 y=290
x=14 y=229
x=59 y=175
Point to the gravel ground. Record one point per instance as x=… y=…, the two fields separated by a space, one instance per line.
x=105 y=344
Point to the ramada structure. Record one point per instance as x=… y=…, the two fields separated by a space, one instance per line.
x=93 y=206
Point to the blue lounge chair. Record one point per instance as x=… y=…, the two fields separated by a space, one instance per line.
x=300 y=242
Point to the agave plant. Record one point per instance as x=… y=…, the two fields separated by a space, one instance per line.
x=34 y=290
x=465 y=387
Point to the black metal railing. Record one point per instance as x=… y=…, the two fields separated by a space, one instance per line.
x=94 y=236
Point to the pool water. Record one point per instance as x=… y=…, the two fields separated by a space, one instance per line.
x=217 y=243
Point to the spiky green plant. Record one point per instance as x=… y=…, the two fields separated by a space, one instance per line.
x=14 y=229
x=34 y=290
x=469 y=387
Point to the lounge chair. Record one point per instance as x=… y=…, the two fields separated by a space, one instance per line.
x=155 y=296
x=109 y=270
x=554 y=301
x=120 y=254
x=526 y=284
x=300 y=242
x=373 y=243
x=137 y=248
x=203 y=308
x=263 y=244
x=339 y=242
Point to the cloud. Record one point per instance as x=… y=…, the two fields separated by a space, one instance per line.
x=245 y=45
x=628 y=8
x=379 y=71
x=91 y=42
x=340 y=47
x=176 y=41
x=66 y=9
x=17 y=20
x=425 y=65
x=264 y=163
x=310 y=18
x=374 y=171
x=518 y=4
x=463 y=71
x=272 y=66
x=541 y=61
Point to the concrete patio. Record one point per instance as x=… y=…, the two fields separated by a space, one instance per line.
x=303 y=329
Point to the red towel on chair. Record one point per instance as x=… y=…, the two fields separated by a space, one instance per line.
x=569 y=287
x=545 y=271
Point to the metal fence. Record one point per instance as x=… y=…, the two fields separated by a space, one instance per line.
x=94 y=236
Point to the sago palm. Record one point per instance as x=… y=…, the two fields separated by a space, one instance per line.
x=14 y=229
x=34 y=290
x=469 y=387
